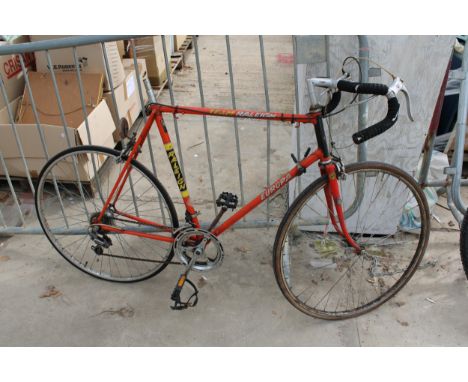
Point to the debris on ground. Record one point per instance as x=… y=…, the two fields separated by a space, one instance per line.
x=398 y=304
x=202 y=281
x=125 y=312
x=4 y=196
x=430 y=300
x=195 y=145
x=451 y=223
x=403 y=323
x=241 y=249
x=427 y=264
x=51 y=292
x=4 y=258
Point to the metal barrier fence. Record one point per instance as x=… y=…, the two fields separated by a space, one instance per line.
x=75 y=42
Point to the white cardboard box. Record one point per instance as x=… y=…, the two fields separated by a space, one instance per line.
x=127 y=96
x=101 y=127
x=90 y=58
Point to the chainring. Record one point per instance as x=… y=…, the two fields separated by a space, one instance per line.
x=187 y=241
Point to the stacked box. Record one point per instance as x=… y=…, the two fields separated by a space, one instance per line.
x=150 y=48
x=90 y=60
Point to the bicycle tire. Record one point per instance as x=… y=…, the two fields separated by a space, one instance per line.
x=308 y=269
x=464 y=243
x=136 y=258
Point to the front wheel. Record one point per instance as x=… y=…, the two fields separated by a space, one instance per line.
x=464 y=243
x=71 y=191
x=386 y=213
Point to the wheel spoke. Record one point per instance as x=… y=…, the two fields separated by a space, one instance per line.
x=326 y=278
x=123 y=258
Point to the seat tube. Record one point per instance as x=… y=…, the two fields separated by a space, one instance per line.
x=177 y=171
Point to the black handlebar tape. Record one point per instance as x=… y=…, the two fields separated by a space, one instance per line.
x=362 y=88
x=334 y=102
x=379 y=127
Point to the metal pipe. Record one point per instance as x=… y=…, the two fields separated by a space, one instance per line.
x=64 y=121
x=205 y=122
x=2 y=219
x=40 y=131
x=236 y=126
x=88 y=131
x=363 y=106
x=460 y=131
x=455 y=212
x=267 y=106
x=145 y=118
x=60 y=43
x=84 y=231
x=298 y=127
x=15 y=132
x=171 y=95
x=111 y=85
x=444 y=183
x=12 y=189
x=432 y=132
x=117 y=114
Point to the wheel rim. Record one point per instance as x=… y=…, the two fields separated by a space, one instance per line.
x=128 y=258
x=322 y=276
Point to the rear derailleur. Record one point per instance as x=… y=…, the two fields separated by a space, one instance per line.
x=97 y=235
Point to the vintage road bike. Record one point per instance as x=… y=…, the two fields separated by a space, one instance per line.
x=341 y=249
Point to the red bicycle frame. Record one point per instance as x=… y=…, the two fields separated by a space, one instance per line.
x=327 y=167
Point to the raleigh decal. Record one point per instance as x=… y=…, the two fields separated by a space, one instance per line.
x=176 y=170
x=253 y=114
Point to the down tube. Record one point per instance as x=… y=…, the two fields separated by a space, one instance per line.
x=269 y=192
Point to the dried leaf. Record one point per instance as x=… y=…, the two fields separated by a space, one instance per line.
x=51 y=292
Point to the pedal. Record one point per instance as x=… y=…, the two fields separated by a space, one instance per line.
x=175 y=296
x=228 y=200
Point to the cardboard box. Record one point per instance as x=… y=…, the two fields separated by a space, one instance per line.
x=101 y=127
x=179 y=40
x=150 y=48
x=12 y=75
x=46 y=102
x=90 y=60
x=129 y=65
x=121 y=48
x=127 y=96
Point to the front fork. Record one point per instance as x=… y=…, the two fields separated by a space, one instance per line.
x=335 y=203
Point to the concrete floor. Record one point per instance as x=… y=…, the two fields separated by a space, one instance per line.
x=45 y=301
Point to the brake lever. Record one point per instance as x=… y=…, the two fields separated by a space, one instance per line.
x=405 y=92
x=396 y=87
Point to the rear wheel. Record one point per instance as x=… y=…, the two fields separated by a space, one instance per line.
x=69 y=198
x=316 y=269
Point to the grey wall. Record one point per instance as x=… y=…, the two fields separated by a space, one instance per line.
x=419 y=60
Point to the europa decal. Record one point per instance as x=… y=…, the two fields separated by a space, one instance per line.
x=269 y=191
